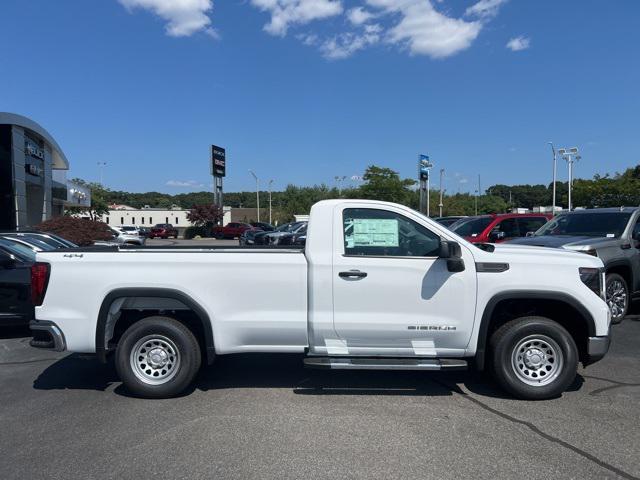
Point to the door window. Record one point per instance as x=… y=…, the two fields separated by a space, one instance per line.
x=530 y=224
x=381 y=233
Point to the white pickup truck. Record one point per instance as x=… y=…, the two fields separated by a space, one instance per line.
x=377 y=286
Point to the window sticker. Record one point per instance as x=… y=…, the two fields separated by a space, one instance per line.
x=372 y=232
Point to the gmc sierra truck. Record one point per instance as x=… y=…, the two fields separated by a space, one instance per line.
x=377 y=286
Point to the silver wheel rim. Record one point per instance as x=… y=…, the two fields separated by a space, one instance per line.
x=155 y=359
x=616 y=298
x=537 y=360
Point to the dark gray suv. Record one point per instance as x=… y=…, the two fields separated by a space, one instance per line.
x=612 y=234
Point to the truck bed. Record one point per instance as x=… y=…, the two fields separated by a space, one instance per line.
x=256 y=298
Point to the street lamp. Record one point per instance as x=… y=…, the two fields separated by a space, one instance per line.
x=553 y=206
x=270 y=183
x=440 y=205
x=571 y=156
x=101 y=166
x=476 y=203
x=257 y=192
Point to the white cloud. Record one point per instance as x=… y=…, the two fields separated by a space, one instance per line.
x=359 y=15
x=425 y=31
x=519 y=43
x=346 y=44
x=285 y=13
x=184 y=17
x=485 y=9
x=184 y=184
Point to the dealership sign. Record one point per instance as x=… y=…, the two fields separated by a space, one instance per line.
x=218 y=161
x=32 y=150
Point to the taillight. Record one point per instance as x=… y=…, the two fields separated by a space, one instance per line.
x=39 y=281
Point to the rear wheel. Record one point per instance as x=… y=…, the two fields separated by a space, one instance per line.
x=534 y=358
x=157 y=357
x=617 y=295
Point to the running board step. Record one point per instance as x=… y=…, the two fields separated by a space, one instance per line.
x=355 y=363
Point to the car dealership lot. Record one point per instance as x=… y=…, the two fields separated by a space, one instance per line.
x=265 y=416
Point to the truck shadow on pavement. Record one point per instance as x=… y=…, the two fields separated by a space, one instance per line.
x=77 y=372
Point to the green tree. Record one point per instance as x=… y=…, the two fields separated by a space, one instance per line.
x=385 y=184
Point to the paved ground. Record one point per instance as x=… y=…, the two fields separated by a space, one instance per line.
x=259 y=416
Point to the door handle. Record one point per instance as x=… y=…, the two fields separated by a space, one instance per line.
x=353 y=273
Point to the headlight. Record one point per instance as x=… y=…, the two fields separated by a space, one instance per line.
x=594 y=279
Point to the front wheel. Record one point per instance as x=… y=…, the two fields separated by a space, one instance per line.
x=157 y=357
x=534 y=358
x=617 y=295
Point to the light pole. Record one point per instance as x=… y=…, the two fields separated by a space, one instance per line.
x=440 y=205
x=571 y=156
x=476 y=203
x=257 y=192
x=101 y=166
x=553 y=202
x=270 y=183
x=339 y=179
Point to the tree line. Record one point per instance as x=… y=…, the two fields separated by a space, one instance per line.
x=380 y=183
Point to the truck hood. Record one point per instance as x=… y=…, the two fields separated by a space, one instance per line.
x=569 y=242
x=508 y=252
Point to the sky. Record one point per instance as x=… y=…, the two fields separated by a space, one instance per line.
x=302 y=91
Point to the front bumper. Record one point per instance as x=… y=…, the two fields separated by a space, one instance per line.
x=597 y=347
x=47 y=335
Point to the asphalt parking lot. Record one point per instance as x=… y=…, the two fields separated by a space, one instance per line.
x=265 y=416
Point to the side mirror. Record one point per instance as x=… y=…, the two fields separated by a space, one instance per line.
x=452 y=252
x=530 y=234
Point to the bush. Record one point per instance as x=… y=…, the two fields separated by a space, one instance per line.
x=81 y=231
x=192 y=232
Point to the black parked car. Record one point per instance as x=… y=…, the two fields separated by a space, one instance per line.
x=266 y=227
x=32 y=243
x=273 y=238
x=248 y=237
x=16 y=307
x=51 y=239
x=297 y=237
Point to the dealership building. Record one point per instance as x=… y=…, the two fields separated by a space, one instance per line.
x=33 y=175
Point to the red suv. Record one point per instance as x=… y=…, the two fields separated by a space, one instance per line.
x=163 y=230
x=230 y=230
x=499 y=227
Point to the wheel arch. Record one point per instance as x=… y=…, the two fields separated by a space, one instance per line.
x=624 y=269
x=199 y=312
x=537 y=303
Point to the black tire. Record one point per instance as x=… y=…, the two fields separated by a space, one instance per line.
x=172 y=335
x=533 y=358
x=618 y=312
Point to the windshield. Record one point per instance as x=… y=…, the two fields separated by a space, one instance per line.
x=285 y=227
x=20 y=251
x=471 y=227
x=587 y=224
